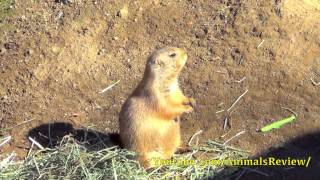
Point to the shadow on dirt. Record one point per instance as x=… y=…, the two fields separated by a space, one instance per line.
x=299 y=148
x=50 y=135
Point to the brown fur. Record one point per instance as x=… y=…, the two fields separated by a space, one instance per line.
x=147 y=123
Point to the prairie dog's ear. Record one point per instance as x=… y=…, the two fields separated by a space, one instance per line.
x=159 y=62
x=156 y=61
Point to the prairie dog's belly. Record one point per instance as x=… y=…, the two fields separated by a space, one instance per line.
x=157 y=126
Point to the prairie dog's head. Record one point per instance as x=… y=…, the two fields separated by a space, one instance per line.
x=166 y=62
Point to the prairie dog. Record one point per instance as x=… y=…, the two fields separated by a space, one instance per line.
x=148 y=118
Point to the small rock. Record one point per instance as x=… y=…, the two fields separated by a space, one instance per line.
x=123 y=13
x=101 y=51
x=5 y=97
x=23 y=17
x=11 y=45
x=65 y=1
x=200 y=34
x=236 y=54
x=28 y=52
x=55 y=49
x=60 y=15
x=155 y=2
x=3 y=50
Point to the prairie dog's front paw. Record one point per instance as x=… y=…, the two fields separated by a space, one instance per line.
x=190 y=104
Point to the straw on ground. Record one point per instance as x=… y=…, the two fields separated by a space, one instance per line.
x=72 y=160
x=109 y=87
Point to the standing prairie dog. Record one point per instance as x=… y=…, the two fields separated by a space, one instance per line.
x=147 y=119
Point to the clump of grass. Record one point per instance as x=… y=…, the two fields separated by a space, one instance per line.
x=5 y=11
x=72 y=160
x=5 y=8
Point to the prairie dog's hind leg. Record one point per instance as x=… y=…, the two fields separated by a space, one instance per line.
x=149 y=159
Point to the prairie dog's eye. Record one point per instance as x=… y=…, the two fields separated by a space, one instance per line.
x=173 y=55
